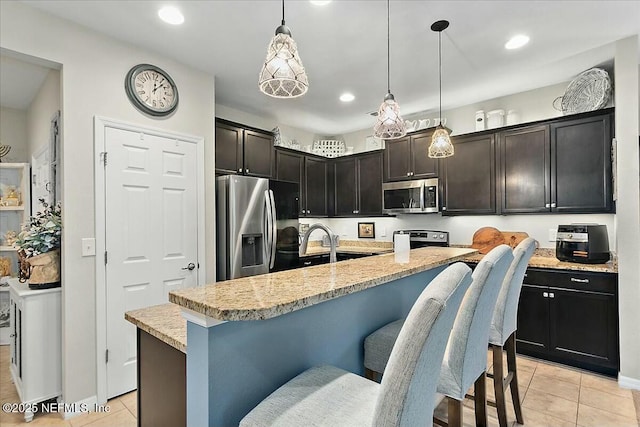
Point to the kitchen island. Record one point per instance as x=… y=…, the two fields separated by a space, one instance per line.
x=248 y=336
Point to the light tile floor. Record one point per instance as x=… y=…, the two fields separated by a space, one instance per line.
x=552 y=396
x=122 y=409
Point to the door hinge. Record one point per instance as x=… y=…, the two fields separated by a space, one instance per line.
x=105 y=257
x=103 y=158
x=106 y=356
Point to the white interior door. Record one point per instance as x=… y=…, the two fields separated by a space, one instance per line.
x=151 y=236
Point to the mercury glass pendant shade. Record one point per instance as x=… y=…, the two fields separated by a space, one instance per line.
x=441 y=145
x=389 y=124
x=283 y=75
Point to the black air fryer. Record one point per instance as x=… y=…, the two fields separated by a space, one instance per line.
x=583 y=243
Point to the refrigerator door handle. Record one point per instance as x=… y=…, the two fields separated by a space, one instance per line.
x=267 y=226
x=274 y=230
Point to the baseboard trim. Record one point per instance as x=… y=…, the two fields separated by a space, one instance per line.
x=628 y=382
x=81 y=407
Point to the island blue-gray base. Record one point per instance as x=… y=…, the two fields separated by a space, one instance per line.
x=233 y=366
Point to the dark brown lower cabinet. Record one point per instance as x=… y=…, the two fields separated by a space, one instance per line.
x=162 y=383
x=570 y=317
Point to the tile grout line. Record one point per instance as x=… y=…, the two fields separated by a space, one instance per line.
x=579 y=393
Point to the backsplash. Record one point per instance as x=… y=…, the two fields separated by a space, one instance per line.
x=461 y=228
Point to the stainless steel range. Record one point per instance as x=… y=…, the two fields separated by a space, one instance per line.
x=422 y=238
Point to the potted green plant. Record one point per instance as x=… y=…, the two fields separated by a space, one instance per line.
x=39 y=248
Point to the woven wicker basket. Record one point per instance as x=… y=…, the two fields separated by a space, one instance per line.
x=329 y=148
x=589 y=91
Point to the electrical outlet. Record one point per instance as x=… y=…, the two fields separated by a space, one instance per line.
x=553 y=234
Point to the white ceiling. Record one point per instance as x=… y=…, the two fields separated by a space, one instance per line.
x=20 y=81
x=343 y=48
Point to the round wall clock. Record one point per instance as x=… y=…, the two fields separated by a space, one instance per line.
x=151 y=90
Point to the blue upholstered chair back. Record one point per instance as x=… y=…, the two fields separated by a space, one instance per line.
x=505 y=314
x=408 y=387
x=466 y=354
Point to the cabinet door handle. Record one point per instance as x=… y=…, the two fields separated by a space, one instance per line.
x=548 y=205
x=412 y=173
x=573 y=279
x=545 y=294
x=246 y=171
x=408 y=173
x=444 y=208
x=553 y=205
x=239 y=170
x=552 y=295
x=306 y=263
x=308 y=211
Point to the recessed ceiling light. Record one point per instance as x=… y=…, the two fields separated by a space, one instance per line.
x=320 y=2
x=517 y=41
x=347 y=97
x=171 y=15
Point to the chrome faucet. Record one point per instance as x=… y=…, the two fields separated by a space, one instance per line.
x=332 y=240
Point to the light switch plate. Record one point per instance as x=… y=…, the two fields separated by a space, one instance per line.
x=383 y=231
x=553 y=234
x=89 y=246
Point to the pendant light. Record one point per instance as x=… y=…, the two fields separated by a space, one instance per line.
x=283 y=75
x=441 y=145
x=389 y=124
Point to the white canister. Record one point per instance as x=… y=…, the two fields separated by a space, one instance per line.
x=480 y=125
x=401 y=248
x=513 y=117
x=495 y=119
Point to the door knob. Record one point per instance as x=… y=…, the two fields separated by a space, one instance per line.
x=189 y=267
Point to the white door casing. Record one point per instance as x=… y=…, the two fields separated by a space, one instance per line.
x=152 y=193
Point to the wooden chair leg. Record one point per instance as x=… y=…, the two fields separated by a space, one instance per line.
x=370 y=374
x=498 y=385
x=480 y=400
x=454 y=410
x=510 y=347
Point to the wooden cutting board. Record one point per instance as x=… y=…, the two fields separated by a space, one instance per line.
x=487 y=238
x=513 y=238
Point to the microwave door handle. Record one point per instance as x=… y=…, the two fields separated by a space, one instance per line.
x=267 y=226
x=274 y=230
x=422 y=196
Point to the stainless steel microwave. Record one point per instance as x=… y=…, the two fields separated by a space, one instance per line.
x=417 y=196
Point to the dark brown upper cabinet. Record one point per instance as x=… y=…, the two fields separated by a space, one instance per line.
x=469 y=176
x=243 y=150
x=553 y=166
x=357 y=185
x=562 y=166
x=525 y=172
x=311 y=172
x=581 y=178
x=406 y=158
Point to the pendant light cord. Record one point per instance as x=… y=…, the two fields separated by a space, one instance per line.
x=283 y=12
x=440 y=70
x=388 y=50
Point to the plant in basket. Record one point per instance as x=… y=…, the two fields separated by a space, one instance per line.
x=39 y=248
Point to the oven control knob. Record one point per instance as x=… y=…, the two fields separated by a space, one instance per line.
x=442 y=236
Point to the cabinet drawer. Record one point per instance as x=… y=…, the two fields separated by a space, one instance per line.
x=577 y=280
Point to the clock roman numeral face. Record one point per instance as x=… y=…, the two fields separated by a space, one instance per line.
x=154 y=90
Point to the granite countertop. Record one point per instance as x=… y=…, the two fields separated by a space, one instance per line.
x=271 y=295
x=164 y=322
x=546 y=258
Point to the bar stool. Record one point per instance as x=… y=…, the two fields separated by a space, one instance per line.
x=329 y=396
x=502 y=334
x=465 y=359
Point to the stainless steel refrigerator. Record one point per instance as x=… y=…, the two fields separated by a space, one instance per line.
x=257 y=226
